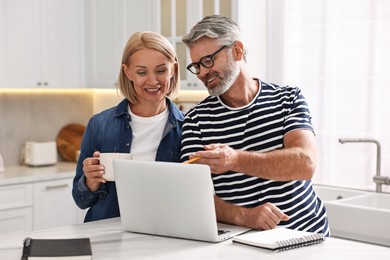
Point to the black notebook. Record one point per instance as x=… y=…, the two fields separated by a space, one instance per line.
x=73 y=248
x=279 y=239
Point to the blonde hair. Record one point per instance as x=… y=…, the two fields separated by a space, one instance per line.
x=149 y=40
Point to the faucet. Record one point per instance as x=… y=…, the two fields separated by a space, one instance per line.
x=378 y=179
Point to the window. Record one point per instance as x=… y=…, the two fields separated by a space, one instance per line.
x=338 y=53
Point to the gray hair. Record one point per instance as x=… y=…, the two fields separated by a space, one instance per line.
x=225 y=30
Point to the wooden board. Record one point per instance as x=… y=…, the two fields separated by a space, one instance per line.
x=69 y=141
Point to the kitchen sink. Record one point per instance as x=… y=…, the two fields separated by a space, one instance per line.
x=375 y=201
x=357 y=215
x=329 y=193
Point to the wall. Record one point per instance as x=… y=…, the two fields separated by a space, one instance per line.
x=33 y=115
x=38 y=115
x=105 y=98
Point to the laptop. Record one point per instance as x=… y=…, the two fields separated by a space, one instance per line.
x=169 y=199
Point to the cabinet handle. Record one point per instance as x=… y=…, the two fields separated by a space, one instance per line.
x=45 y=84
x=39 y=83
x=50 y=187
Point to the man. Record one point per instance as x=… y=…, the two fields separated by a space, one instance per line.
x=256 y=137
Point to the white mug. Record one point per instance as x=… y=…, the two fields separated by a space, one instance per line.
x=106 y=160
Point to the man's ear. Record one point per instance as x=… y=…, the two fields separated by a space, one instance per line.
x=238 y=50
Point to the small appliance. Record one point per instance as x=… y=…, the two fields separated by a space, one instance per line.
x=1 y=163
x=39 y=153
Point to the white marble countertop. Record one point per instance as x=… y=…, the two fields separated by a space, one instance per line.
x=26 y=174
x=110 y=242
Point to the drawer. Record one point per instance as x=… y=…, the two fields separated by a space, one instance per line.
x=16 y=220
x=16 y=196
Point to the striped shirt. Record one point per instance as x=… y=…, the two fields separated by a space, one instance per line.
x=258 y=126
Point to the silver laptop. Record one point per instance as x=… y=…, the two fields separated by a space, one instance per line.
x=169 y=199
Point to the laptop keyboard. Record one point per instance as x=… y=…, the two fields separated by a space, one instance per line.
x=221 y=231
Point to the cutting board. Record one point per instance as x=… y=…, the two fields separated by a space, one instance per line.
x=69 y=141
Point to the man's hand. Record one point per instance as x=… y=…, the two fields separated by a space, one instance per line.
x=264 y=217
x=220 y=158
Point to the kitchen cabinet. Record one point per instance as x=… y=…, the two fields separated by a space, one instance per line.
x=72 y=43
x=54 y=205
x=39 y=205
x=108 y=25
x=178 y=17
x=41 y=43
x=16 y=203
x=34 y=198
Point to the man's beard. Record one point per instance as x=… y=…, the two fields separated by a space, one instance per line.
x=229 y=76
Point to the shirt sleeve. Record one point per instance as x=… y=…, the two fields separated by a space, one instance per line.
x=82 y=196
x=191 y=138
x=298 y=114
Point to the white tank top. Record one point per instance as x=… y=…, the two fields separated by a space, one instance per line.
x=147 y=134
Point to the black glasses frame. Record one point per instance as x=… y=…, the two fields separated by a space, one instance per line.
x=195 y=66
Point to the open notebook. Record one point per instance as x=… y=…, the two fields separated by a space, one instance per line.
x=169 y=199
x=280 y=239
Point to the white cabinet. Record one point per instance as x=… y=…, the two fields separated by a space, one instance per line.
x=108 y=25
x=73 y=43
x=38 y=205
x=41 y=43
x=54 y=205
x=178 y=17
x=16 y=208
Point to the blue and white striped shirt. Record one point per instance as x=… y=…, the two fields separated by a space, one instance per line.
x=259 y=126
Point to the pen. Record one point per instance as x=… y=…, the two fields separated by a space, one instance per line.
x=197 y=158
x=192 y=160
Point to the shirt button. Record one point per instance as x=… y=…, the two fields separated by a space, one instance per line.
x=127 y=144
x=103 y=194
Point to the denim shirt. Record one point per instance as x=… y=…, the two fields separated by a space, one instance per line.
x=110 y=131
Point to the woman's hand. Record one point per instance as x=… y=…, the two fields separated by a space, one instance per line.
x=93 y=172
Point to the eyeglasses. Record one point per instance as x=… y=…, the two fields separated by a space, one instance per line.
x=206 y=61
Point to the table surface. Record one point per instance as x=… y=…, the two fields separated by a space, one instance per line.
x=109 y=241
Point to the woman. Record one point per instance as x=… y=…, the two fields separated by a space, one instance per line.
x=146 y=123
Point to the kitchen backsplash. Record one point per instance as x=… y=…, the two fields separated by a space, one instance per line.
x=38 y=116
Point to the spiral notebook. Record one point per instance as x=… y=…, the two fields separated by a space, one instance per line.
x=279 y=239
